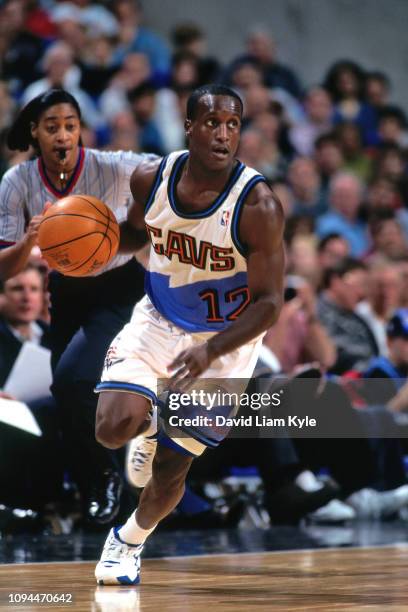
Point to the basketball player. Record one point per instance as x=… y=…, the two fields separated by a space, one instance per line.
x=214 y=286
x=86 y=313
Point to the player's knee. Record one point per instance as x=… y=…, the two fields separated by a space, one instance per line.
x=170 y=469
x=116 y=423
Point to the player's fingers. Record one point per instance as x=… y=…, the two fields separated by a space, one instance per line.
x=47 y=205
x=177 y=362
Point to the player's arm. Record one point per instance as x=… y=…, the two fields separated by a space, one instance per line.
x=261 y=230
x=13 y=258
x=133 y=234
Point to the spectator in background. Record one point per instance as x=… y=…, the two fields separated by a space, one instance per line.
x=61 y=72
x=332 y=249
x=377 y=89
x=345 y=83
x=383 y=297
x=171 y=102
x=22 y=303
x=20 y=50
x=298 y=337
x=142 y=102
x=190 y=38
x=391 y=164
x=317 y=121
x=392 y=126
x=328 y=157
x=36 y=477
x=388 y=239
x=303 y=259
x=345 y=197
x=392 y=367
x=124 y=133
x=134 y=71
x=262 y=47
x=355 y=158
x=136 y=39
x=304 y=181
x=344 y=286
x=70 y=27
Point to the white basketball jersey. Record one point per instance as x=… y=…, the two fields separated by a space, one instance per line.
x=26 y=187
x=197 y=274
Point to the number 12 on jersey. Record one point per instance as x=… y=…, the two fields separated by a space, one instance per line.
x=211 y=297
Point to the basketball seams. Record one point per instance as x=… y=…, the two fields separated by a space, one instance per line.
x=60 y=244
x=107 y=215
x=92 y=221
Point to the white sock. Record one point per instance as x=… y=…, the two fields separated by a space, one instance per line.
x=131 y=533
x=152 y=429
x=308 y=482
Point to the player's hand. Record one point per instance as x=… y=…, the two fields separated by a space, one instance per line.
x=189 y=364
x=31 y=235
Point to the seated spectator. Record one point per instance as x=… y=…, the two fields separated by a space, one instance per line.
x=388 y=238
x=345 y=197
x=355 y=158
x=377 y=89
x=318 y=121
x=36 y=478
x=142 y=100
x=190 y=38
x=392 y=126
x=60 y=71
x=298 y=337
x=328 y=157
x=332 y=249
x=171 y=102
x=345 y=83
x=344 y=286
x=261 y=46
x=137 y=39
x=393 y=368
x=383 y=297
x=124 y=133
x=390 y=164
x=304 y=181
x=134 y=71
x=302 y=259
x=255 y=151
x=20 y=50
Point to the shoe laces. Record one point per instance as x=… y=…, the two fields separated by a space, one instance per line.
x=143 y=452
x=115 y=549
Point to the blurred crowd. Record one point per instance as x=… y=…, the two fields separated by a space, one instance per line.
x=334 y=153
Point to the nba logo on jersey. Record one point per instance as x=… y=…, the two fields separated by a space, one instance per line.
x=225 y=218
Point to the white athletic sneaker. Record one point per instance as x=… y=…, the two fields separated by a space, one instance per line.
x=369 y=503
x=139 y=460
x=119 y=562
x=333 y=512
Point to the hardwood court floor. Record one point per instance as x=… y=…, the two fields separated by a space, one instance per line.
x=336 y=579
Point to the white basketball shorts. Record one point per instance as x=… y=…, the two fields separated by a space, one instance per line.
x=139 y=355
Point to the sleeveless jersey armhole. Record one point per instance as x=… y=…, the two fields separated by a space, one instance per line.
x=236 y=216
x=156 y=183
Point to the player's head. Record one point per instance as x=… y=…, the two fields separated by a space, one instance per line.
x=213 y=125
x=51 y=123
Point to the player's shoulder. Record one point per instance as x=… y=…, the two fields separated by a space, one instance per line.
x=17 y=175
x=118 y=157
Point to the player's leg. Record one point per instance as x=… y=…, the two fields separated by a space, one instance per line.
x=120 y=560
x=121 y=416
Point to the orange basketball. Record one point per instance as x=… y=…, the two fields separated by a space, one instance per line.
x=78 y=235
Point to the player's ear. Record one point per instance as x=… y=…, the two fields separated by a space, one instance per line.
x=187 y=126
x=33 y=129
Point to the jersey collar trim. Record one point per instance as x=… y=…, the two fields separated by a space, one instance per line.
x=72 y=181
x=173 y=180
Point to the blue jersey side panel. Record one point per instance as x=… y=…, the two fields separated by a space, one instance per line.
x=184 y=306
